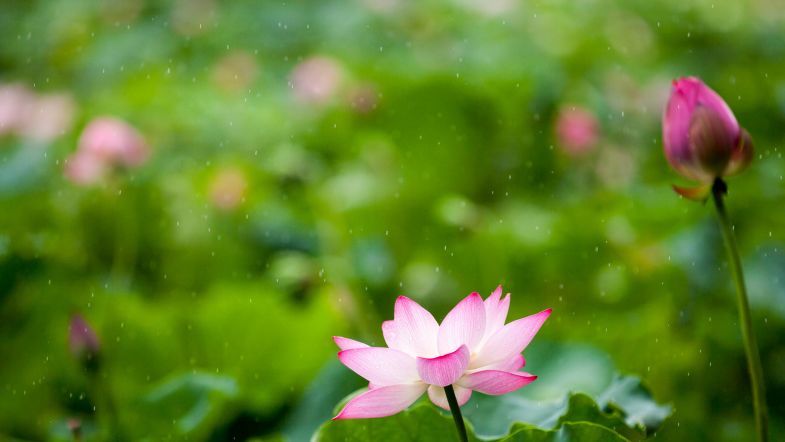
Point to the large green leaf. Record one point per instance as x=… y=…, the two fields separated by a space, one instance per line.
x=628 y=395
x=569 y=432
x=192 y=398
x=425 y=423
x=418 y=424
x=582 y=408
x=564 y=370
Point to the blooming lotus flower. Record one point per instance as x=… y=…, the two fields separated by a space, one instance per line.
x=701 y=137
x=472 y=350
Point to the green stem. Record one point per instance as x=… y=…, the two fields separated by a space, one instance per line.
x=107 y=412
x=456 y=413
x=748 y=334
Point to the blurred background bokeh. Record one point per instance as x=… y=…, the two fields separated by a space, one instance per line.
x=218 y=187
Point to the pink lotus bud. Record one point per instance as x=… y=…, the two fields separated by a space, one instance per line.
x=48 y=117
x=14 y=102
x=577 y=130
x=83 y=341
x=114 y=141
x=700 y=134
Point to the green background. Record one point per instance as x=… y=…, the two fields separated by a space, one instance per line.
x=431 y=169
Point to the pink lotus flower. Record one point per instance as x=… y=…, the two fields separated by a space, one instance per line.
x=105 y=144
x=472 y=349
x=316 y=80
x=700 y=134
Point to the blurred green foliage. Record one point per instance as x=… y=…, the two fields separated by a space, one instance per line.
x=312 y=160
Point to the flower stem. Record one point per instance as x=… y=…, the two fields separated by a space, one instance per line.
x=748 y=334
x=456 y=413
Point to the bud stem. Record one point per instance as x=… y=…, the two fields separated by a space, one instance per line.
x=456 y=413
x=748 y=333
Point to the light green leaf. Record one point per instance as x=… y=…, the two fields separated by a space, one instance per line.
x=608 y=399
x=627 y=394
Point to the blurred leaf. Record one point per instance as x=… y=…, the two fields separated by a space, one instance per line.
x=204 y=392
x=766 y=284
x=628 y=395
x=315 y=405
x=23 y=170
x=223 y=345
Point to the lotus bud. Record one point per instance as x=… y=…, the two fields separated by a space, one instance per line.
x=701 y=137
x=83 y=342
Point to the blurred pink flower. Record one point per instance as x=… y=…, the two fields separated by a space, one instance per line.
x=48 y=117
x=84 y=168
x=577 y=130
x=105 y=144
x=113 y=141
x=316 y=79
x=472 y=349
x=14 y=101
x=228 y=189
x=701 y=137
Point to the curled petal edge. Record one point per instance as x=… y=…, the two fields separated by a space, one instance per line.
x=444 y=370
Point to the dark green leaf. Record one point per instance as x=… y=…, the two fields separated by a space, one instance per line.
x=418 y=424
x=424 y=423
x=569 y=432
